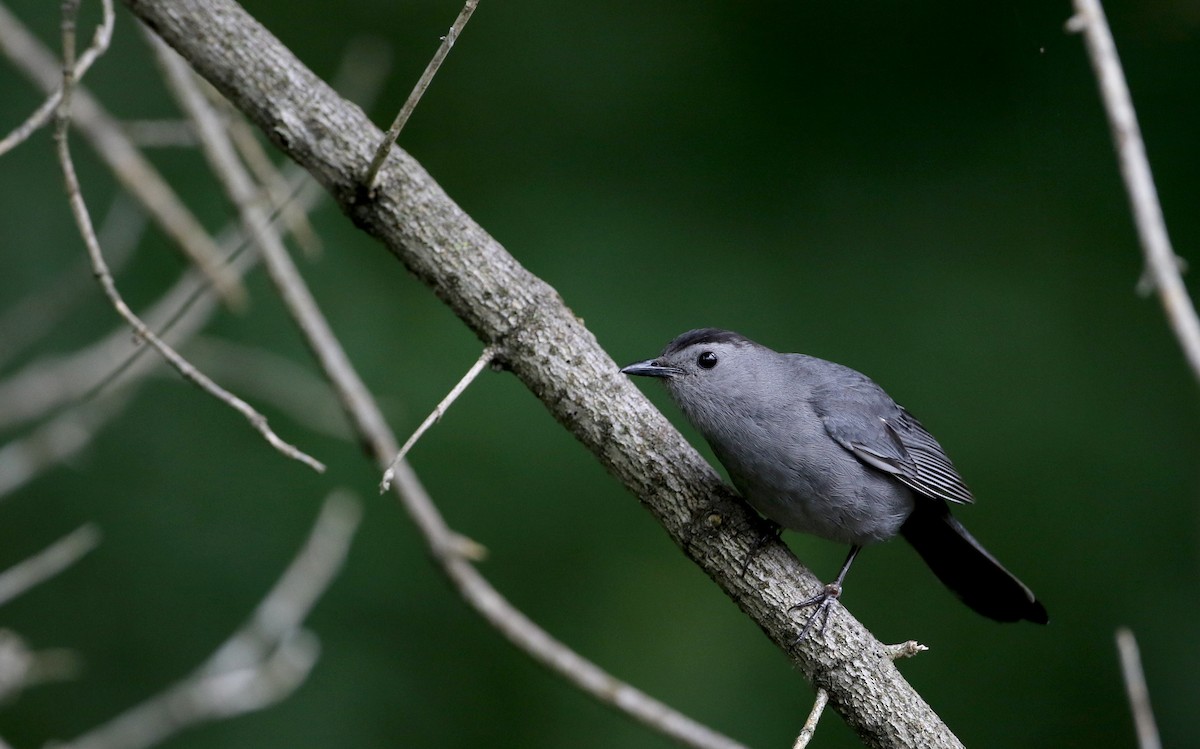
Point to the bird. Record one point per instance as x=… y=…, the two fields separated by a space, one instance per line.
x=820 y=448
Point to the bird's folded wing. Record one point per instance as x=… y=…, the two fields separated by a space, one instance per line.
x=899 y=445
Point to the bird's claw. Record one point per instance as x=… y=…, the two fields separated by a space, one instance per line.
x=823 y=602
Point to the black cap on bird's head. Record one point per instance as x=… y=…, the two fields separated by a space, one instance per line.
x=660 y=366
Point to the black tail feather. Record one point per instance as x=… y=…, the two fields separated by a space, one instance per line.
x=967 y=568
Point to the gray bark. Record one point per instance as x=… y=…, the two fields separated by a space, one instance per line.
x=548 y=348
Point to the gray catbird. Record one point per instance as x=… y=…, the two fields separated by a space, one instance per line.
x=820 y=448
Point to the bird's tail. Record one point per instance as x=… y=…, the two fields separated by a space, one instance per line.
x=967 y=568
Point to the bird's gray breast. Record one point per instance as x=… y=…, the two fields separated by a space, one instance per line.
x=784 y=462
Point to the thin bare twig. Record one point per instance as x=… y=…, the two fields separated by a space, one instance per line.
x=255 y=370
x=242 y=191
x=216 y=144
x=389 y=139
x=902 y=650
x=42 y=115
x=100 y=268
x=183 y=310
x=1162 y=265
x=48 y=562
x=810 y=726
x=135 y=173
x=261 y=663
x=453 y=550
x=1135 y=688
x=906 y=649
x=489 y=353
x=56 y=382
x=270 y=181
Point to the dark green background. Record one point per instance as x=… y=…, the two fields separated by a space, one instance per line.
x=923 y=191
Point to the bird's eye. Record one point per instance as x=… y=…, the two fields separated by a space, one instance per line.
x=707 y=360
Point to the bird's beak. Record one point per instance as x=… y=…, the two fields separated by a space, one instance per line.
x=651 y=368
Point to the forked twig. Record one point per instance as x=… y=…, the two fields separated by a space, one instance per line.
x=68 y=381
x=43 y=114
x=104 y=276
x=133 y=170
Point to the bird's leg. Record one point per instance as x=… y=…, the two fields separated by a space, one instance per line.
x=824 y=600
x=775 y=530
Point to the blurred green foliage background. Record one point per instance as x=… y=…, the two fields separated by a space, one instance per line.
x=925 y=192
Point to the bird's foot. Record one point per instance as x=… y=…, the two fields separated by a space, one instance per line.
x=775 y=530
x=823 y=603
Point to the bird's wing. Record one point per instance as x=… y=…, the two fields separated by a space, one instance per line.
x=869 y=424
x=935 y=475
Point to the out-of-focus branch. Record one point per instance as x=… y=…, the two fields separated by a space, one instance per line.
x=261 y=663
x=548 y=348
x=280 y=267
x=47 y=563
x=268 y=175
x=22 y=667
x=160 y=133
x=57 y=382
x=26 y=457
x=104 y=276
x=455 y=552
x=127 y=163
x=306 y=399
x=1162 y=265
x=1137 y=691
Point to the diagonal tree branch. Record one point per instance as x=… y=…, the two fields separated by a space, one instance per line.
x=547 y=347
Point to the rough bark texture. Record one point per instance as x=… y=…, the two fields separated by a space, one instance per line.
x=549 y=349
